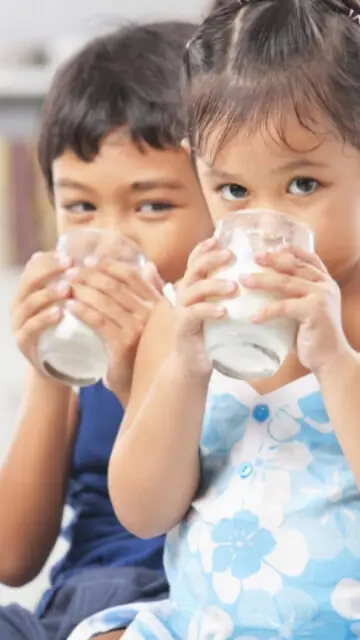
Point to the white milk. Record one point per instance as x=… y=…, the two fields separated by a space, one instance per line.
x=73 y=353
x=237 y=347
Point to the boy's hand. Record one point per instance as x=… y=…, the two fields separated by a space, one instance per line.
x=310 y=296
x=38 y=305
x=193 y=306
x=116 y=301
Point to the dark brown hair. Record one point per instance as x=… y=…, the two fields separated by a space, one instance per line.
x=130 y=77
x=251 y=61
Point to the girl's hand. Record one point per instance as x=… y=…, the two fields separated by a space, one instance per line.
x=193 y=306
x=116 y=301
x=310 y=296
x=38 y=304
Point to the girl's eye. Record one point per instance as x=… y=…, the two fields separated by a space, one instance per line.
x=80 y=207
x=155 y=207
x=303 y=186
x=232 y=192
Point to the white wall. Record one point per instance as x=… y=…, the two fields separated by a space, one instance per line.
x=32 y=20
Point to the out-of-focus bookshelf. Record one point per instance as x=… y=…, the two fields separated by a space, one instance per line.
x=26 y=218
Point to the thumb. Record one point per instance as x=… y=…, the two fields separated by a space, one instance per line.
x=151 y=275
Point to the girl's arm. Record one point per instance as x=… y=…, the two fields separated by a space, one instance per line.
x=33 y=478
x=340 y=386
x=154 y=468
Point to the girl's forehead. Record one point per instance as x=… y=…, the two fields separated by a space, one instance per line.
x=277 y=141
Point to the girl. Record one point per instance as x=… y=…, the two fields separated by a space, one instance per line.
x=265 y=522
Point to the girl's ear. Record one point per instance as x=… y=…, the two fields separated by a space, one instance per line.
x=186 y=145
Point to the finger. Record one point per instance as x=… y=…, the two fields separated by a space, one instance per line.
x=130 y=276
x=111 y=332
x=291 y=265
x=196 y=316
x=38 y=301
x=204 y=289
x=287 y=286
x=116 y=291
x=294 y=309
x=101 y=303
x=310 y=258
x=32 y=328
x=202 y=248
x=206 y=264
x=151 y=275
x=41 y=268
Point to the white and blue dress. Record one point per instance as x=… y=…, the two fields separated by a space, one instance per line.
x=270 y=549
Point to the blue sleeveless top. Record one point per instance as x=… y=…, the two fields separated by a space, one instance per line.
x=93 y=535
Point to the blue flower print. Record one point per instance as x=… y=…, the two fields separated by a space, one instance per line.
x=322 y=513
x=224 y=424
x=312 y=406
x=241 y=545
x=290 y=614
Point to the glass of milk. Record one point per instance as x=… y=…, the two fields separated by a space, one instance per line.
x=237 y=347
x=71 y=352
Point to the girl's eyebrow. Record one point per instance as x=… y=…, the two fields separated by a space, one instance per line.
x=298 y=164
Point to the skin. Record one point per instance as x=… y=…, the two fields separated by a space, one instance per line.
x=103 y=196
x=315 y=179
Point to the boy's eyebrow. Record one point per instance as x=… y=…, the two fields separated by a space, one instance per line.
x=151 y=185
x=69 y=183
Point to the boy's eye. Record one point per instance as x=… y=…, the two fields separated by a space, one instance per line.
x=303 y=186
x=155 y=207
x=80 y=207
x=232 y=192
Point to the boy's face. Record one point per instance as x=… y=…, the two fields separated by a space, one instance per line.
x=151 y=196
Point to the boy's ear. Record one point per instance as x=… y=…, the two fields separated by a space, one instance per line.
x=186 y=145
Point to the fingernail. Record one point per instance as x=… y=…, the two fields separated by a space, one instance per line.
x=72 y=274
x=91 y=262
x=62 y=288
x=256 y=317
x=225 y=255
x=64 y=261
x=260 y=257
x=230 y=286
x=54 y=312
x=247 y=280
x=220 y=312
x=71 y=304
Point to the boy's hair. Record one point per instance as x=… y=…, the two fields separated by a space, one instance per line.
x=130 y=78
x=253 y=61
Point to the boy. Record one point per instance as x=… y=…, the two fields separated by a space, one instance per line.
x=111 y=156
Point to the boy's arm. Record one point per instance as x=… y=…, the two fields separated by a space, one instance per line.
x=154 y=468
x=33 y=478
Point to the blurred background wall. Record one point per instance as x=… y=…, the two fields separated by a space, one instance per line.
x=35 y=35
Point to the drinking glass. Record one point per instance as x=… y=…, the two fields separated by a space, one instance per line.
x=237 y=347
x=71 y=351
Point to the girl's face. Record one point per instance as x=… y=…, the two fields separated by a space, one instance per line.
x=314 y=178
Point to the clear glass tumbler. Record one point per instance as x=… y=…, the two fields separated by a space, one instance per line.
x=71 y=352
x=237 y=347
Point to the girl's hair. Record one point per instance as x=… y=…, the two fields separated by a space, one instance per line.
x=253 y=60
